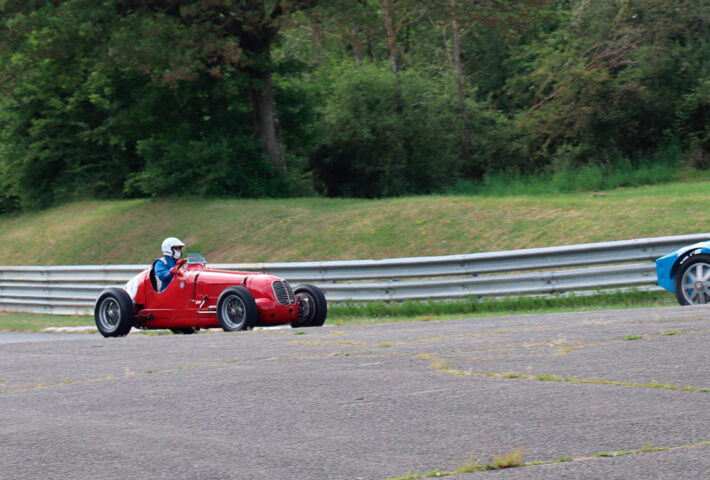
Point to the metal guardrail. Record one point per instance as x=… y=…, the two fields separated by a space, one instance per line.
x=74 y=289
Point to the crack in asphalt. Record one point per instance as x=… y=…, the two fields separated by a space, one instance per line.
x=478 y=468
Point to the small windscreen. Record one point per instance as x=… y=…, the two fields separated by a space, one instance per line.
x=196 y=258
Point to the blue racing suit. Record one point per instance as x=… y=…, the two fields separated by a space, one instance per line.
x=162 y=271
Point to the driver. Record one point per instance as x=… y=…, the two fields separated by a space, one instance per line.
x=166 y=267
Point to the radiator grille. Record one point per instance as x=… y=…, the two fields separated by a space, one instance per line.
x=283 y=292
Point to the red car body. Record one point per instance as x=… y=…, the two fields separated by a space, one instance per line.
x=198 y=297
x=191 y=299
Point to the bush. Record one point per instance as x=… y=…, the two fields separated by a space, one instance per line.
x=368 y=147
x=214 y=166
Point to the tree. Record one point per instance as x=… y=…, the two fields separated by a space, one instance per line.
x=226 y=33
x=102 y=100
x=47 y=150
x=343 y=29
x=608 y=80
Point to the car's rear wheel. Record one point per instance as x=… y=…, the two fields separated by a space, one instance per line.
x=692 y=281
x=313 y=307
x=114 y=313
x=236 y=309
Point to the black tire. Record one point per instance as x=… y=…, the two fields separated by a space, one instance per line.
x=313 y=307
x=236 y=309
x=692 y=281
x=114 y=313
x=185 y=331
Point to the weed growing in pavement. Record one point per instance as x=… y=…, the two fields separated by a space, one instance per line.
x=556 y=460
x=674 y=332
x=444 y=366
x=632 y=337
x=127 y=373
x=646 y=448
x=510 y=460
x=407 y=476
x=472 y=464
x=468 y=466
x=515 y=459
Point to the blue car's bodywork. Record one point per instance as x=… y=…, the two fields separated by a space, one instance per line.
x=667 y=266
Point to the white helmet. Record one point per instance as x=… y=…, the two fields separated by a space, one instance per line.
x=168 y=245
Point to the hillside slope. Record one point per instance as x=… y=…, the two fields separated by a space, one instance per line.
x=126 y=232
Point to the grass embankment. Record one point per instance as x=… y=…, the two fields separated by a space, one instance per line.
x=310 y=229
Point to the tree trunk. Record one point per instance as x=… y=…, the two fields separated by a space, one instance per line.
x=392 y=47
x=458 y=70
x=318 y=42
x=356 y=45
x=266 y=119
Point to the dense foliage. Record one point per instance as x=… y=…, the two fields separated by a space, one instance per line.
x=245 y=98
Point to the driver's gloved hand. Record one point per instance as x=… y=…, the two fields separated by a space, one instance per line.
x=174 y=270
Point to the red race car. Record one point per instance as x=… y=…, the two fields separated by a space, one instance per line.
x=199 y=297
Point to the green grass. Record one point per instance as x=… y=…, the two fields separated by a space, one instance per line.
x=372 y=312
x=573 y=179
x=407 y=311
x=27 y=322
x=311 y=229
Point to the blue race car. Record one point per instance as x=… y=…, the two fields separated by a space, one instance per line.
x=686 y=272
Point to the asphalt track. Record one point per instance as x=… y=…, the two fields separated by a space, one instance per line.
x=367 y=402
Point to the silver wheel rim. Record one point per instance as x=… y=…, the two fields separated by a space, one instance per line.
x=307 y=311
x=695 y=283
x=109 y=314
x=234 y=312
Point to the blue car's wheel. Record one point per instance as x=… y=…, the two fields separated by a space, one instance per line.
x=692 y=282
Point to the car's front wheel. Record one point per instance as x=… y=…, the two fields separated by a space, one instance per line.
x=114 y=313
x=692 y=282
x=236 y=309
x=313 y=307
